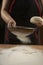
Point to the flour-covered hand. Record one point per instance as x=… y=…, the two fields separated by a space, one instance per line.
x=11 y=24
x=38 y=21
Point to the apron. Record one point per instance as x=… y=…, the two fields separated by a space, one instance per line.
x=22 y=11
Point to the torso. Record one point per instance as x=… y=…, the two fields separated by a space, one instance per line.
x=23 y=10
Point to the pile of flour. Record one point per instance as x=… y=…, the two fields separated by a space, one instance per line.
x=21 y=55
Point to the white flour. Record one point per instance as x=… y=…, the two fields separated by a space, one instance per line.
x=21 y=55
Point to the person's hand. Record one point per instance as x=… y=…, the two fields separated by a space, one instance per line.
x=11 y=24
x=38 y=21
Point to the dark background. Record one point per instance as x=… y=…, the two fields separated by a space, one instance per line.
x=2 y=27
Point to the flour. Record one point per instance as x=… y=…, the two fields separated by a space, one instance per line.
x=21 y=55
x=36 y=20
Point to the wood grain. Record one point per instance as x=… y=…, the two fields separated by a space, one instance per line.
x=40 y=47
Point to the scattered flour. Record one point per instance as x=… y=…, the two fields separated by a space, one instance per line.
x=21 y=55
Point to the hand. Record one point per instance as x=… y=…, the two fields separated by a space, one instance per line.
x=11 y=24
x=38 y=21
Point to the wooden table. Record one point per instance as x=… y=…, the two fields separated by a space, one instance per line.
x=9 y=46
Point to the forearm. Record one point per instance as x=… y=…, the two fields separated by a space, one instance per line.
x=5 y=16
x=4 y=11
x=42 y=2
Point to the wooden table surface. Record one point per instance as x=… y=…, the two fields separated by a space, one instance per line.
x=33 y=46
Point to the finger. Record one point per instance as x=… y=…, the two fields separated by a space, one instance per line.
x=9 y=25
x=14 y=24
